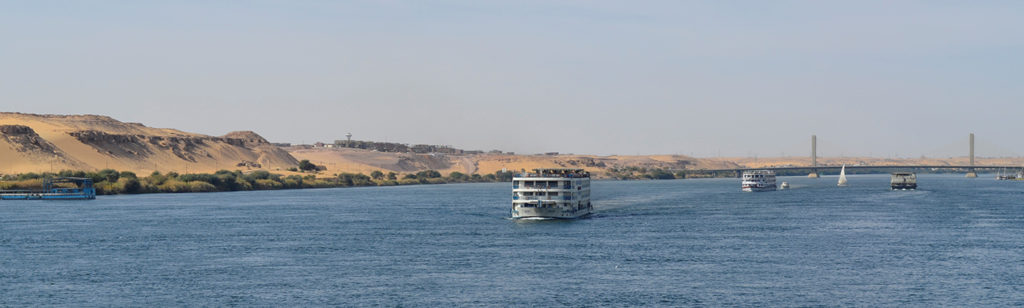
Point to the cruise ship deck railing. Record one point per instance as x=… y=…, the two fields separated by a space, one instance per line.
x=533 y=175
x=544 y=186
x=529 y=198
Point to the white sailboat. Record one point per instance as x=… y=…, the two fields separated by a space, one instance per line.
x=842 y=176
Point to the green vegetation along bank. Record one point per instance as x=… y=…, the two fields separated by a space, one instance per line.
x=110 y=182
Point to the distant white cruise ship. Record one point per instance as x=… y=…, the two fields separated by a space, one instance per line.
x=759 y=180
x=551 y=193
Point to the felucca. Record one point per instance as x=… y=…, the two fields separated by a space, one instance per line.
x=842 y=176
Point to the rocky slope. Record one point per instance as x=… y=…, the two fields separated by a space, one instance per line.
x=34 y=143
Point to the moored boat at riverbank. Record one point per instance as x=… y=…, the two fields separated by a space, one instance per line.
x=53 y=190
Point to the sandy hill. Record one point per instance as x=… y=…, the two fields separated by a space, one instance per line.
x=34 y=143
x=365 y=161
x=37 y=143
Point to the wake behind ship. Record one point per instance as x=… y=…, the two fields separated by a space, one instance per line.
x=551 y=193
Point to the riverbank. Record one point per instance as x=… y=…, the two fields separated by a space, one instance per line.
x=113 y=182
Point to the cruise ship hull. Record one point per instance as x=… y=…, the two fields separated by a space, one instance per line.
x=904 y=186
x=759 y=189
x=548 y=213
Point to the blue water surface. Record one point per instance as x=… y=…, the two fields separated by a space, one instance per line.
x=953 y=242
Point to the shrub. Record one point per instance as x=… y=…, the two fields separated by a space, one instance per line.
x=377 y=175
x=305 y=165
x=203 y=177
x=292 y=183
x=436 y=181
x=130 y=185
x=660 y=174
x=227 y=181
x=319 y=184
x=200 y=186
x=428 y=174
x=157 y=179
x=243 y=186
x=128 y=174
x=28 y=176
x=173 y=185
x=456 y=176
x=260 y=175
x=266 y=184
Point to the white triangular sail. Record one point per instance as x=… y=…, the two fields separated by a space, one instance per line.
x=842 y=176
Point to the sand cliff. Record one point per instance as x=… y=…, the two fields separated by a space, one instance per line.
x=35 y=143
x=41 y=143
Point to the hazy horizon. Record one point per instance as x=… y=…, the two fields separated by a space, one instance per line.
x=730 y=79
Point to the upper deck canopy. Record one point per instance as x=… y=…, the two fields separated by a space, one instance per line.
x=81 y=182
x=557 y=173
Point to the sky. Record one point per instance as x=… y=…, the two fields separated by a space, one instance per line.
x=702 y=78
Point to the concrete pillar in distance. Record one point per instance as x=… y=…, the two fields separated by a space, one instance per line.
x=970 y=172
x=814 y=157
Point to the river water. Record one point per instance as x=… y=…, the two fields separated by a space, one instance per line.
x=953 y=242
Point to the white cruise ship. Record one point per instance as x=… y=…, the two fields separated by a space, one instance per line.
x=551 y=193
x=759 y=180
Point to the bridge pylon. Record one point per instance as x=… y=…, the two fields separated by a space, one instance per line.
x=814 y=157
x=970 y=171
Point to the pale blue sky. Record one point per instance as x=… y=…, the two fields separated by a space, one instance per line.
x=884 y=78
